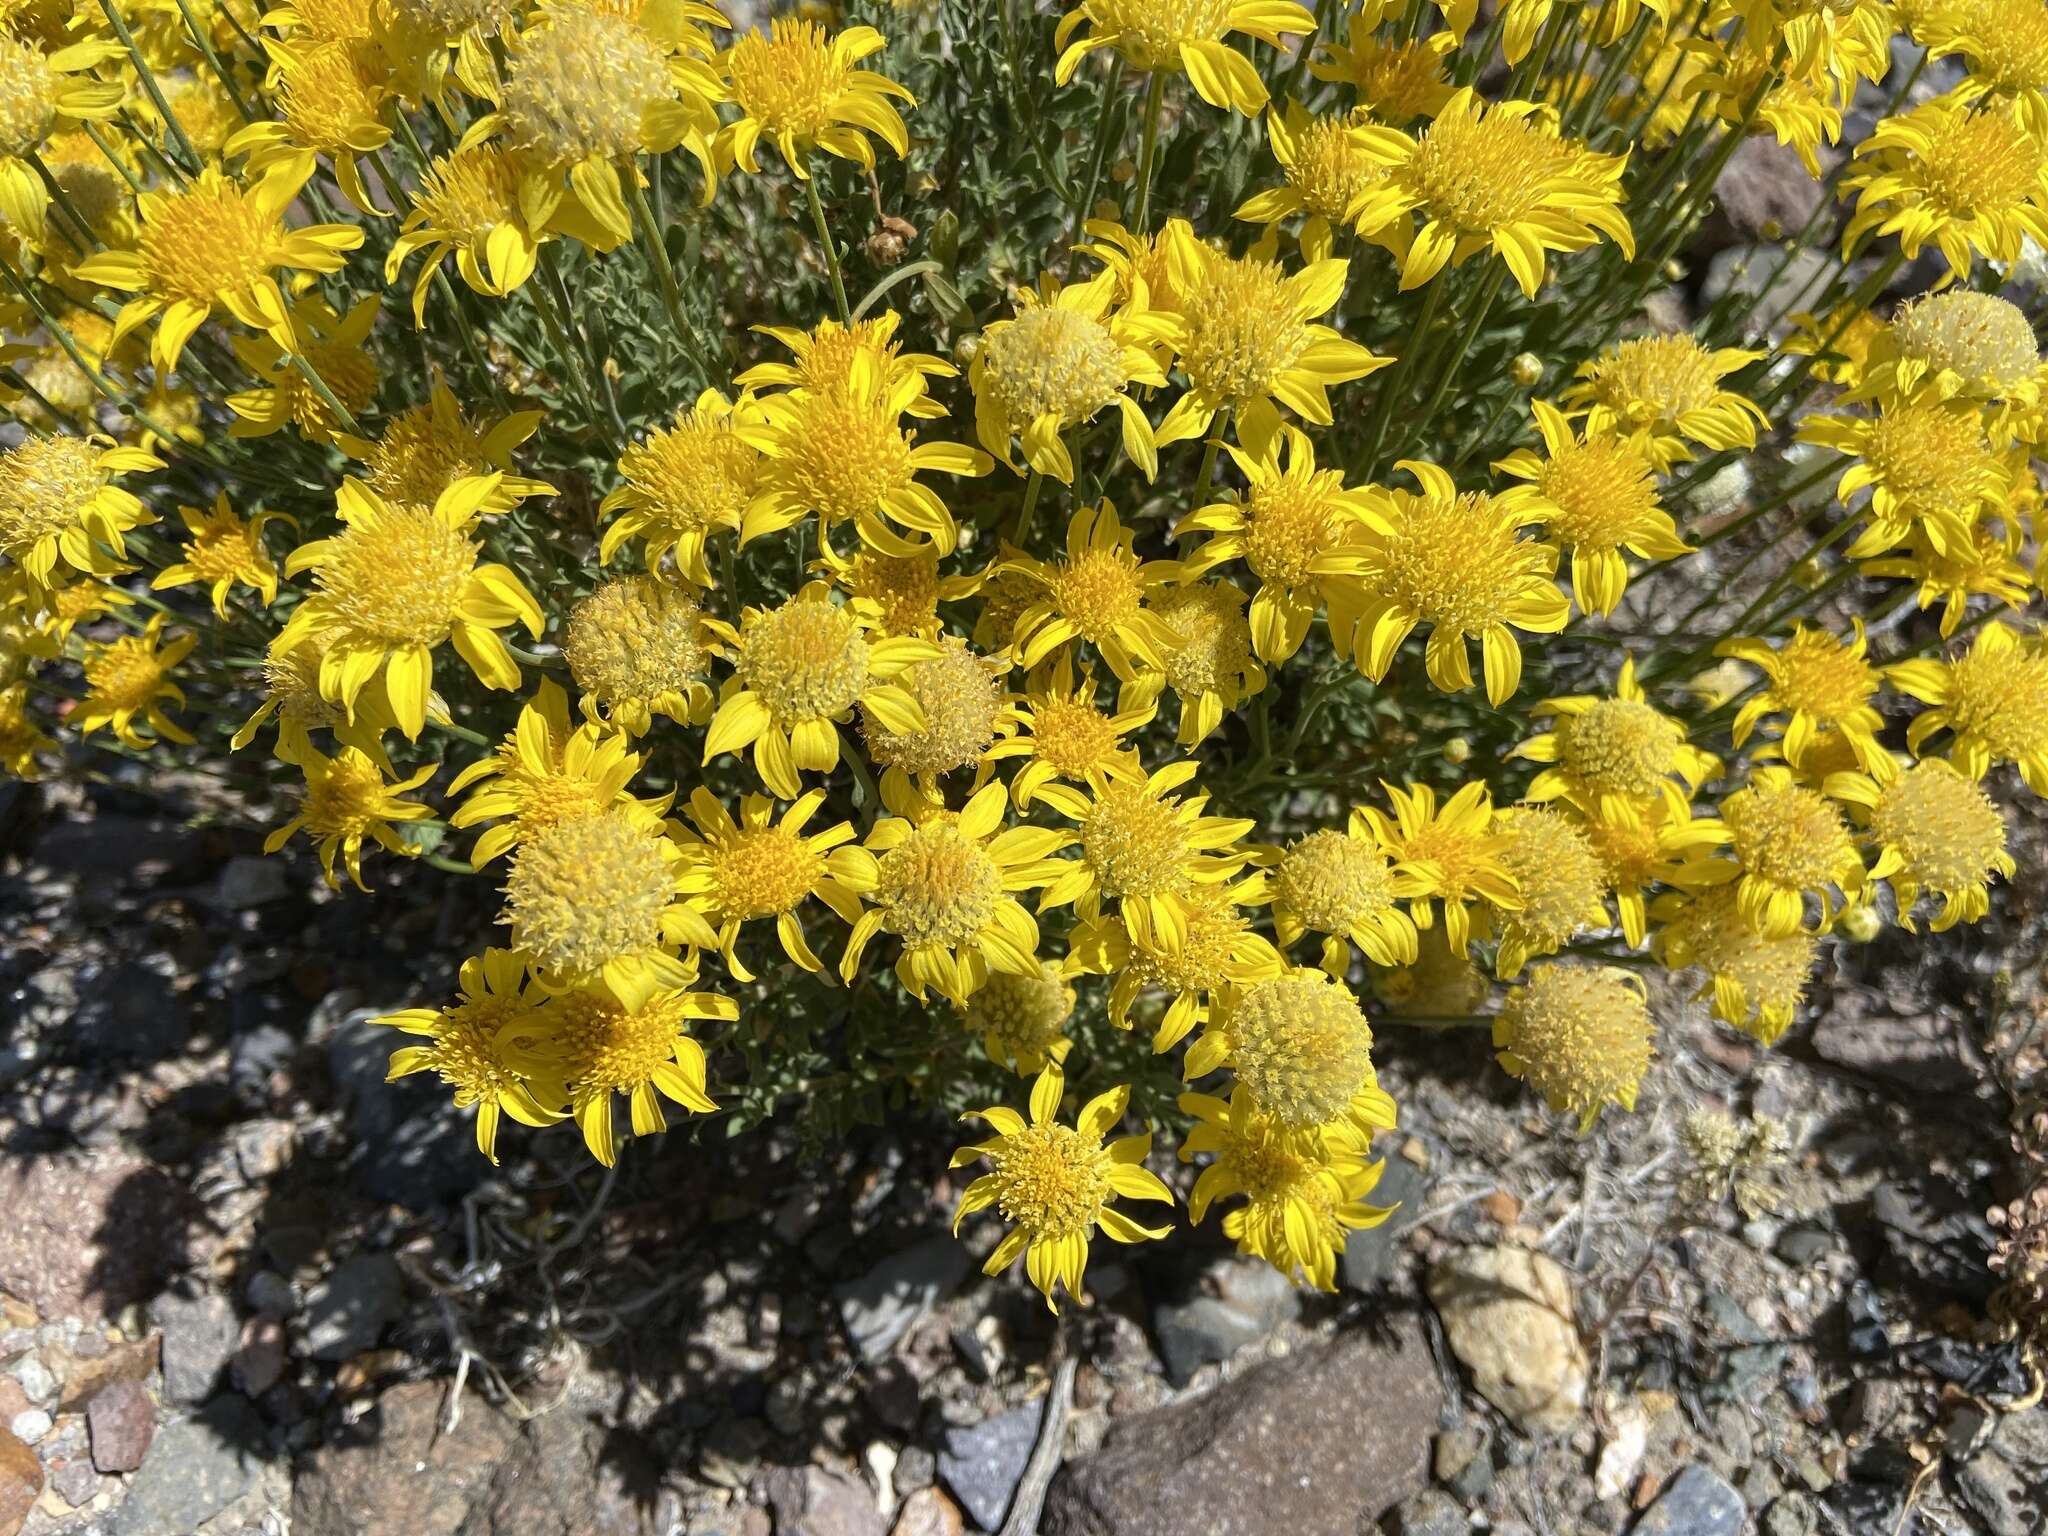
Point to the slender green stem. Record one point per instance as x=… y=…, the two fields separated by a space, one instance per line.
x=830 y=250
x=1397 y=377
x=311 y=374
x=118 y=162
x=156 y=95
x=556 y=323
x=213 y=60
x=1148 y=146
x=1482 y=303
x=665 y=274
x=1110 y=87
x=84 y=241
x=1033 y=484
x=1217 y=428
x=62 y=420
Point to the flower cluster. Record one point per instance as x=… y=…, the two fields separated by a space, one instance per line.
x=1115 y=644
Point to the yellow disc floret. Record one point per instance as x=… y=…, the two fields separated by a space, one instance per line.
x=1578 y=1035
x=578 y=86
x=938 y=886
x=1301 y=1046
x=960 y=699
x=399 y=580
x=586 y=892
x=805 y=660
x=1333 y=882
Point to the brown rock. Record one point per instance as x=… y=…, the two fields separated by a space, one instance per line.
x=13 y=1400
x=1501 y=1208
x=21 y=1480
x=1508 y=1315
x=124 y=1362
x=259 y=1359
x=1318 y=1444
x=928 y=1512
x=810 y=1501
x=89 y=1234
x=122 y=1422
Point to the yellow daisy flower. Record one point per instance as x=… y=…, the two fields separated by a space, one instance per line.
x=963 y=705
x=425 y=449
x=1455 y=851
x=1560 y=885
x=59 y=504
x=1394 y=79
x=216 y=245
x=1971 y=181
x=1302 y=1201
x=1994 y=697
x=1666 y=392
x=1218 y=950
x=639 y=646
x=346 y=801
x=1789 y=843
x=396 y=583
x=224 y=549
x=1609 y=754
x=330 y=101
x=1935 y=830
x=798 y=669
x=63 y=609
x=1927 y=464
x=1344 y=886
x=1579 y=1035
x=333 y=345
x=1645 y=846
x=291 y=695
x=126 y=679
x=1757 y=983
x=1056 y=1182
x=1957 y=343
x=1826 y=684
x=1066 y=355
x=826 y=354
x=1336 y=176
x=796 y=86
x=1988 y=567
x=22 y=739
x=1062 y=733
x=463 y=1046
x=943 y=888
x=1211 y=667
x=467 y=205
x=896 y=594
x=736 y=872
x=1456 y=563
x=1169 y=36
x=44 y=93
x=1302 y=1049
x=1596 y=496
x=1096 y=593
x=686 y=482
x=1022 y=1020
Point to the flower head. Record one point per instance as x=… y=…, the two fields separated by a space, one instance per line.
x=1055 y=1183
x=1022 y=1020
x=1971 y=181
x=1186 y=36
x=1560 y=884
x=1989 y=566
x=1615 y=753
x=1344 y=886
x=595 y=897
x=1336 y=169
x=425 y=449
x=1958 y=343
x=1826 y=684
x=333 y=347
x=1994 y=697
x=1065 y=734
x=347 y=799
x=827 y=356
x=1096 y=593
x=1757 y=983
x=1927 y=464
x=797 y=87
x=637 y=646
x=467 y=205
x=1666 y=392
x=224 y=550
x=1211 y=666
x=1456 y=563
x=686 y=482
x=1789 y=842
x=22 y=738
x=128 y=679
x=963 y=709
x=1579 y=1035
x=1395 y=80
x=59 y=504
x=1301 y=1046
x=1217 y=949
x=1454 y=852
x=1935 y=830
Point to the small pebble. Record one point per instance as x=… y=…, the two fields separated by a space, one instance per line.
x=37 y=1380
x=30 y=1425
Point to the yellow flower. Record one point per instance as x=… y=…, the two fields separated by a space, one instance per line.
x=1560 y=885
x=1293 y=526
x=826 y=356
x=896 y=594
x=1064 y=356
x=1972 y=181
x=1302 y=1201
x=1935 y=830
x=608 y=1040
x=594 y=898
x=464 y=1046
x=843 y=453
x=1994 y=698
x=1183 y=36
x=1336 y=169
x=223 y=550
x=1249 y=342
x=1928 y=467
x=943 y=888
x=800 y=668
x=1640 y=847
x=962 y=704
x=21 y=737
x=347 y=800
x=1455 y=852
x=330 y=101
x=1665 y=391
x=1022 y=1020
x=1395 y=80
x=1615 y=753
x=425 y=449
x=1757 y=983
x=736 y=872
x=467 y=205
x=1596 y=496
x=333 y=346
x=686 y=482
x=1064 y=734
x=1218 y=950
x=1145 y=849
x=1455 y=563
x=1988 y=567
x=41 y=93
x=797 y=87
x=1826 y=684
x=1096 y=593
x=1800 y=111
x=544 y=772
x=1343 y=885
x=1055 y=1183
x=1162 y=269
x=1579 y=1035
x=1211 y=667
x=59 y=504
x=1955 y=343
x=638 y=647
x=396 y=583
x=63 y=610
x=1302 y=1049
x=2005 y=45
x=127 y=678
x=216 y=245
x=1498 y=177
x=1839 y=39
x=1789 y=843
x=585 y=93
x=291 y=687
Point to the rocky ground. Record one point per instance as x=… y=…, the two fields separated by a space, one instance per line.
x=249 y=1286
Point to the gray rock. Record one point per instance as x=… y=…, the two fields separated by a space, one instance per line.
x=37 y=1381
x=1918 y=1051
x=983 y=1463
x=1370 y=1254
x=1763 y=193
x=810 y=1501
x=1801 y=1245
x=1697 y=1502
x=200 y=1333
x=2022 y=1438
x=1462 y=1460
x=2000 y=1496
x=31 y=1424
x=246 y=881
x=268 y=1291
x=259 y=1361
x=916 y=1468
x=880 y=1307
x=76 y=1482
x=410 y=1150
x=1431 y=1512
x=254 y=1057
x=346 y=1312
x=1793 y=1515
x=122 y=1421
x=126 y=1011
x=1234 y=1462
x=1240 y=1301
x=195 y=1469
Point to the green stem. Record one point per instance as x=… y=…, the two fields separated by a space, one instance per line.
x=1404 y=365
x=1148 y=144
x=213 y=59
x=311 y=374
x=1110 y=87
x=1481 y=304
x=826 y=245
x=657 y=251
x=557 y=326
x=155 y=92
x=1033 y=484
x=86 y=242
x=1208 y=471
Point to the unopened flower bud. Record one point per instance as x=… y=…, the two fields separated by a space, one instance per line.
x=1526 y=370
